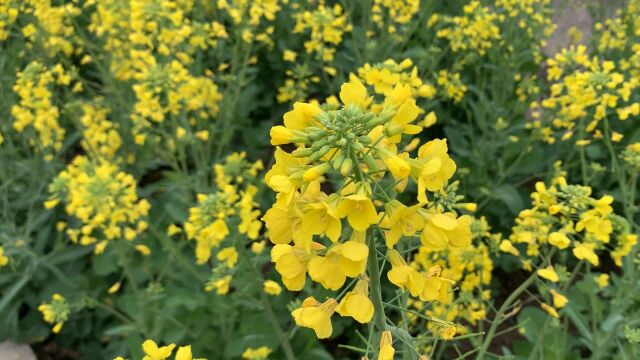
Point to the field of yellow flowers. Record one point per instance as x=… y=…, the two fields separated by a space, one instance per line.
x=349 y=179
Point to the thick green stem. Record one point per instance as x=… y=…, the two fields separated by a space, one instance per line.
x=499 y=316
x=375 y=289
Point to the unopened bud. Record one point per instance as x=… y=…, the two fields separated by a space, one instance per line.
x=319 y=153
x=302 y=152
x=337 y=162
x=315 y=172
x=371 y=163
x=345 y=168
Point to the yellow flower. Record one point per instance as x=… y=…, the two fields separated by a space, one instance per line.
x=220 y=285
x=442 y=230
x=403 y=275
x=559 y=240
x=401 y=220
x=291 y=264
x=549 y=310
x=342 y=260
x=281 y=135
x=289 y=55
x=559 y=300
x=430 y=119
x=322 y=218
x=584 y=251
x=261 y=353
x=548 y=273
x=602 y=280
x=448 y=332
x=4 y=260
x=143 y=249
x=356 y=303
x=433 y=168
x=354 y=92
x=184 y=353
x=387 y=351
x=359 y=210
x=435 y=287
x=153 y=352
x=316 y=316
x=257 y=247
x=272 y=288
x=302 y=116
x=230 y=255
x=507 y=246
x=114 y=288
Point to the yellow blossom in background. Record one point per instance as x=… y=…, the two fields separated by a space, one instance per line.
x=221 y=286
x=559 y=300
x=102 y=198
x=326 y=26
x=272 y=288
x=549 y=273
x=550 y=310
x=56 y=312
x=602 y=280
x=37 y=108
x=4 y=260
x=261 y=353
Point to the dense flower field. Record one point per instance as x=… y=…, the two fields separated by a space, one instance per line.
x=280 y=179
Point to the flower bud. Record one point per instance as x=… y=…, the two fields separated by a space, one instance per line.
x=315 y=172
x=345 y=168
x=280 y=135
x=302 y=152
x=319 y=153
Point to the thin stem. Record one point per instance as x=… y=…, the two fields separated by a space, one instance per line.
x=282 y=337
x=494 y=326
x=374 y=284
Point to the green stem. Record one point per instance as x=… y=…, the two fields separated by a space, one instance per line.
x=131 y=279
x=499 y=316
x=375 y=289
x=275 y=324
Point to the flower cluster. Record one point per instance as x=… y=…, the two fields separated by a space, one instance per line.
x=390 y=15
x=247 y=16
x=56 y=312
x=326 y=26
x=9 y=11
x=476 y=30
x=354 y=147
x=100 y=137
x=451 y=86
x=210 y=220
x=102 y=199
x=135 y=30
x=591 y=91
x=54 y=27
x=170 y=90
x=386 y=75
x=566 y=216
x=470 y=268
x=37 y=107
